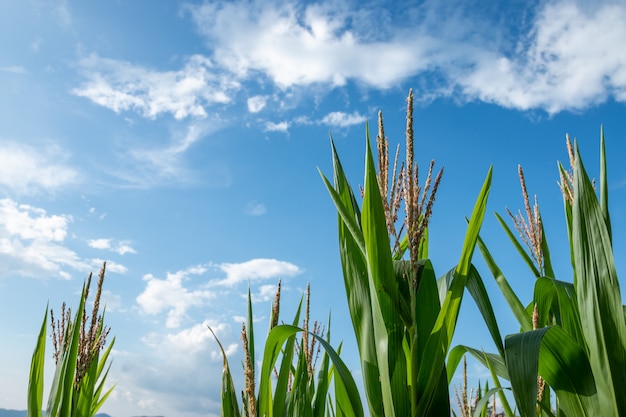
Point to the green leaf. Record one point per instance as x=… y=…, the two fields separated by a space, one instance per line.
x=276 y=338
x=280 y=400
x=519 y=247
x=432 y=364
x=35 y=381
x=557 y=299
x=511 y=298
x=563 y=364
x=356 y=283
x=477 y=289
x=323 y=382
x=383 y=287
x=598 y=294
x=604 y=185
x=228 y=394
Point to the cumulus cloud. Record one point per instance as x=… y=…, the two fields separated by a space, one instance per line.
x=256 y=269
x=171 y=296
x=121 y=247
x=565 y=56
x=33 y=243
x=27 y=170
x=121 y=86
x=297 y=44
x=277 y=127
x=341 y=119
x=256 y=103
x=571 y=62
x=177 y=370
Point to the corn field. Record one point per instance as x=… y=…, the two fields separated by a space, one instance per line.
x=568 y=359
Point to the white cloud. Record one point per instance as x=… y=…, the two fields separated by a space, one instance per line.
x=341 y=119
x=121 y=247
x=121 y=86
x=112 y=266
x=31 y=242
x=276 y=127
x=177 y=369
x=14 y=69
x=158 y=165
x=28 y=170
x=255 y=209
x=572 y=61
x=256 y=269
x=256 y=103
x=171 y=296
x=297 y=44
x=265 y=293
x=567 y=56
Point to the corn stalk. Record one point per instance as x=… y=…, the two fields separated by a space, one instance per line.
x=402 y=324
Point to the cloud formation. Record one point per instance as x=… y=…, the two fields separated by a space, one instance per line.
x=256 y=269
x=562 y=58
x=33 y=244
x=341 y=119
x=121 y=86
x=28 y=170
x=121 y=247
x=171 y=296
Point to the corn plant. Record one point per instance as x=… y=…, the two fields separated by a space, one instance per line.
x=403 y=317
x=573 y=333
x=81 y=369
x=287 y=384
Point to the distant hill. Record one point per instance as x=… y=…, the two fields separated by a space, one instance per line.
x=24 y=413
x=12 y=413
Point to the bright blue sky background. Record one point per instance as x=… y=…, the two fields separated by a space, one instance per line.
x=179 y=141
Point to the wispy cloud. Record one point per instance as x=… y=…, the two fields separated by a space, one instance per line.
x=561 y=58
x=14 y=69
x=121 y=86
x=255 y=208
x=121 y=247
x=153 y=165
x=27 y=170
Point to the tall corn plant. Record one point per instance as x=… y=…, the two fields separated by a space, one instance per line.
x=290 y=383
x=81 y=368
x=403 y=317
x=573 y=334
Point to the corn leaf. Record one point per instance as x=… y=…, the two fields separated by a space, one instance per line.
x=511 y=298
x=518 y=246
x=598 y=294
x=432 y=366
x=276 y=338
x=354 y=266
x=35 y=382
x=228 y=394
x=383 y=287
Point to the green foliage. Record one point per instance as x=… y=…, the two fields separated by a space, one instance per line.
x=402 y=328
x=573 y=334
x=287 y=383
x=78 y=385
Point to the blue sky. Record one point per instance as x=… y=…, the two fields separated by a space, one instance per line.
x=180 y=142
